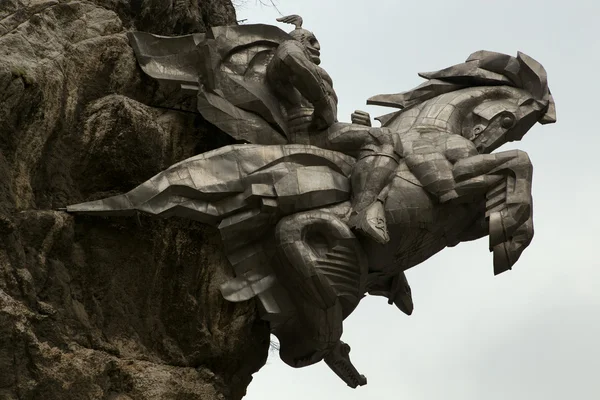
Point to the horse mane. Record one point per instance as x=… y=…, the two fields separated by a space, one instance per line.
x=482 y=68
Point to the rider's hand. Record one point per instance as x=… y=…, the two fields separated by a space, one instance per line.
x=361 y=118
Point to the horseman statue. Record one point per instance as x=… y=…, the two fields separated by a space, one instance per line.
x=315 y=213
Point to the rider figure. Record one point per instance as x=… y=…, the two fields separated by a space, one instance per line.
x=310 y=102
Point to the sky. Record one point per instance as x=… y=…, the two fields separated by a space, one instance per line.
x=530 y=333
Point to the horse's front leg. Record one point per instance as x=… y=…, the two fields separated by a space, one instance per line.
x=505 y=180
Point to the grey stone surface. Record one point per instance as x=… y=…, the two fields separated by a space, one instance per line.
x=341 y=209
x=98 y=308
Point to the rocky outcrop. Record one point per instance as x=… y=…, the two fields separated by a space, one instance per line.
x=106 y=308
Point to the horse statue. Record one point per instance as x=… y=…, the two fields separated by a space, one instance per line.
x=283 y=207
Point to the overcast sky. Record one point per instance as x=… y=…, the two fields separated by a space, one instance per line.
x=531 y=333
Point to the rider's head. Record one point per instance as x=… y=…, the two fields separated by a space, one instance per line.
x=304 y=36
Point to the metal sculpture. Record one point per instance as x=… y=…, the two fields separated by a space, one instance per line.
x=314 y=213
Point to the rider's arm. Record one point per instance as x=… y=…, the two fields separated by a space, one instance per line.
x=305 y=77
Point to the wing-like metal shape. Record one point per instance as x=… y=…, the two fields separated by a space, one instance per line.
x=243 y=190
x=212 y=186
x=234 y=67
x=168 y=59
x=226 y=67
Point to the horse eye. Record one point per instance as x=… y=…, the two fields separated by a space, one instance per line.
x=507 y=121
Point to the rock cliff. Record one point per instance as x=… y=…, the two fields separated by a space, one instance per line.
x=94 y=308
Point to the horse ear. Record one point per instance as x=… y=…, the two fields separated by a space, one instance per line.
x=535 y=81
x=533 y=76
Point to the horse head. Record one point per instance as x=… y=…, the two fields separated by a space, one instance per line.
x=490 y=99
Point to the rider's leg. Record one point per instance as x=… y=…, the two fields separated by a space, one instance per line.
x=377 y=161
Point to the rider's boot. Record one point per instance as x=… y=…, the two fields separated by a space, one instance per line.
x=370 y=176
x=371 y=222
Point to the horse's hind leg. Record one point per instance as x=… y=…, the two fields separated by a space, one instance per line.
x=505 y=179
x=323 y=268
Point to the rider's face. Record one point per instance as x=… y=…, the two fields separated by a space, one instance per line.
x=309 y=42
x=314 y=48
